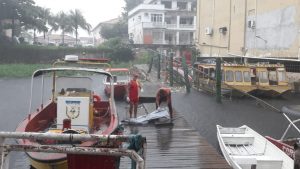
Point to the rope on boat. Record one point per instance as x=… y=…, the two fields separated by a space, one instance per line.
x=136 y=144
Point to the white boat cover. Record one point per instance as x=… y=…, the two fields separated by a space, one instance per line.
x=161 y=113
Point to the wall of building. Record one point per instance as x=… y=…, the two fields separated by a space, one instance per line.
x=259 y=28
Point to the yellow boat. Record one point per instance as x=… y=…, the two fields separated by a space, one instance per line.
x=258 y=79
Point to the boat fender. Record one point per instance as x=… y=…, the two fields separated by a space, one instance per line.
x=96 y=98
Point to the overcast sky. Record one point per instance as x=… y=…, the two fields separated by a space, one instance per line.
x=94 y=11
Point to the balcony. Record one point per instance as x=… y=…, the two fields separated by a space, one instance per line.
x=154 y=25
x=171 y=26
x=187 y=26
x=145 y=7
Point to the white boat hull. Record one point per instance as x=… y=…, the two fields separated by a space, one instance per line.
x=243 y=148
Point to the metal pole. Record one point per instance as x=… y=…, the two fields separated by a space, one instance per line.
x=218 y=80
x=66 y=137
x=186 y=75
x=158 y=66
x=2 y=153
x=171 y=69
x=150 y=65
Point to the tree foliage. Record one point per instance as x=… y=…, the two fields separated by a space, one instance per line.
x=119 y=29
x=120 y=51
x=25 y=15
x=130 y=4
x=78 y=21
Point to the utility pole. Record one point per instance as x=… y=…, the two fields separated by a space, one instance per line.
x=171 y=69
x=158 y=66
x=218 y=80
x=186 y=75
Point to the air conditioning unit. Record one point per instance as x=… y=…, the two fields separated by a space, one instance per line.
x=208 y=31
x=251 y=24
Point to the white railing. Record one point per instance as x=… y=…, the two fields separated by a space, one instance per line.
x=171 y=26
x=154 y=25
x=187 y=26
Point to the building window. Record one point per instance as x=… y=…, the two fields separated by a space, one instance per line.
x=182 y=5
x=168 y=4
x=156 y=18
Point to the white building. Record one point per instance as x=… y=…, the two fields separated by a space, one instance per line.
x=163 y=22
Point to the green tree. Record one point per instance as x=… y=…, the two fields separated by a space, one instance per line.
x=35 y=20
x=130 y=4
x=47 y=19
x=78 y=21
x=63 y=22
x=120 y=51
x=22 y=13
x=119 y=29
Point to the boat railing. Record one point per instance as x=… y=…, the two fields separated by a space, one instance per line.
x=268 y=105
x=81 y=63
x=136 y=153
x=288 y=127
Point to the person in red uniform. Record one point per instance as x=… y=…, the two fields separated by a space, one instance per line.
x=164 y=95
x=133 y=94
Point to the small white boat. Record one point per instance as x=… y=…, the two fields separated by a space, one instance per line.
x=243 y=148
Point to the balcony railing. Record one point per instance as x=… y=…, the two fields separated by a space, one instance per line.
x=168 y=26
x=171 y=26
x=187 y=26
x=154 y=25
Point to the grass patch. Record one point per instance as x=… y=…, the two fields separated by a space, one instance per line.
x=20 y=70
x=26 y=70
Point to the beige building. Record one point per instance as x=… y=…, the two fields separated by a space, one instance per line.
x=252 y=28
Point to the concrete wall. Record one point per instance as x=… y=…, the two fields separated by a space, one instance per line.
x=274 y=32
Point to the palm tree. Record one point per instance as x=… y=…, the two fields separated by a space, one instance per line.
x=46 y=17
x=64 y=24
x=78 y=21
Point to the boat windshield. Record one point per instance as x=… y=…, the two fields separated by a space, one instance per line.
x=69 y=84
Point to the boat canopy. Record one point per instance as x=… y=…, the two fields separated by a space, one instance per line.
x=292 y=109
x=44 y=71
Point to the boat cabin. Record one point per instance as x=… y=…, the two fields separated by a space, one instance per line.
x=247 y=78
x=121 y=78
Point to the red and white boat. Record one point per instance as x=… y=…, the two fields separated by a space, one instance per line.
x=120 y=82
x=287 y=145
x=75 y=107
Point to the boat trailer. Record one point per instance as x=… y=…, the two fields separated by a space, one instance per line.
x=137 y=154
